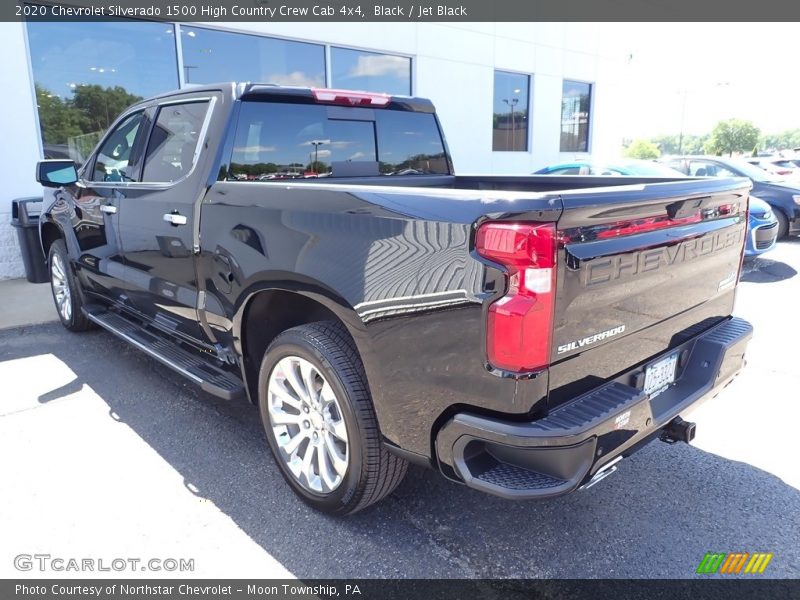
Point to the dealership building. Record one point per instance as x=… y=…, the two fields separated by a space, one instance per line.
x=512 y=97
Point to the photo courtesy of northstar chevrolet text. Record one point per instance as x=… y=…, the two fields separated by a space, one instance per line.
x=336 y=299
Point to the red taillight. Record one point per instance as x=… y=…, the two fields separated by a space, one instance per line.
x=348 y=98
x=644 y=225
x=520 y=323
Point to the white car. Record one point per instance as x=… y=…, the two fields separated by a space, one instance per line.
x=777 y=166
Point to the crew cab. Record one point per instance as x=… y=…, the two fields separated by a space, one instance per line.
x=313 y=251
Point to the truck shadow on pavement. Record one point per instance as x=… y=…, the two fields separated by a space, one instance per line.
x=657 y=517
x=765 y=270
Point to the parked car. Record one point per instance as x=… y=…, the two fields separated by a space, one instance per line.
x=521 y=335
x=782 y=196
x=762 y=228
x=762 y=225
x=629 y=166
x=781 y=167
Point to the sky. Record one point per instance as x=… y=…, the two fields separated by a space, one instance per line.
x=723 y=70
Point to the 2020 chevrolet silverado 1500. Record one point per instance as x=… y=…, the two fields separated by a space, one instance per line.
x=313 y=251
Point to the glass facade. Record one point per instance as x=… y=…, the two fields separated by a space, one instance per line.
x=510 y=112
x=211 y=56
x=576 y=106
x=370 y=71
x=87 y=73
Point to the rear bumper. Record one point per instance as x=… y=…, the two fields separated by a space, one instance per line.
x=556 y=454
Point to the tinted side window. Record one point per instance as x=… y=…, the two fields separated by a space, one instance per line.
x=288 y=141
x=679 y=165
x=701 y=168
x=113 y=161
x=171 y=148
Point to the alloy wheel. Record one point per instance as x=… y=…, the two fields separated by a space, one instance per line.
x=308 y=425
x=61 y=291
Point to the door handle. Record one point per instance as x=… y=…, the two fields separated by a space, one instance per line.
x=175 y=219
x=109 y=209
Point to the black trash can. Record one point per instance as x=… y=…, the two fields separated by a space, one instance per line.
x=25 y=218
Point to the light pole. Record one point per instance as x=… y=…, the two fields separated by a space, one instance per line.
x=512 y=102
x=316 y=144
x=186 y=70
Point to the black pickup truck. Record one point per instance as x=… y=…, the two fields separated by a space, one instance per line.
x=313 y=251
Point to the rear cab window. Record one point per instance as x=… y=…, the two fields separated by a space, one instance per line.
x=275 y=140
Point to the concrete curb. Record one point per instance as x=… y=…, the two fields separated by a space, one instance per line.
x=23 y=303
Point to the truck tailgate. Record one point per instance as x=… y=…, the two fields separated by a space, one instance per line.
x=639 y=269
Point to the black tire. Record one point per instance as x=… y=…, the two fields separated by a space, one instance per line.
x=783 y=223
x=372 y=471
x=74 y=320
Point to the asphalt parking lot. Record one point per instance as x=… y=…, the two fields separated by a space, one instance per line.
x=106 y=454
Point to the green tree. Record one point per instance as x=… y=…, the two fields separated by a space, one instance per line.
x=667 y=144
x=694 y=144
x=100 y=106
x=673 y=144
x=58 y=119
x=781 y=141
x=642 y=149
x=733 y=135
x=75 y=124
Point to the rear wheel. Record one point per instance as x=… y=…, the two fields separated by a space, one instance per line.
x=67 y=294
x=320 y=423
x=783 y=223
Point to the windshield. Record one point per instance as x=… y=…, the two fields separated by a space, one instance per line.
x=748 y=170
x=649 y=169
x=786 y=164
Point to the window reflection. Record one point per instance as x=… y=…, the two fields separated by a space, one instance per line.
x=210 y=56
x=510 y=112
x=288 y=141
x=370 y=71
x=576 y=104
x=87 y=73
x=114 y=157
x=172 y=144
x=410 y=144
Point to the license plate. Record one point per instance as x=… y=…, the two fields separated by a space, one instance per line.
x=659 y=375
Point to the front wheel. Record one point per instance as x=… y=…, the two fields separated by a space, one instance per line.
x=783 y=223
x=66 y=289
x=320 y=422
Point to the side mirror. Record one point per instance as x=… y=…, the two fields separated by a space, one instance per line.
x=57 y=172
